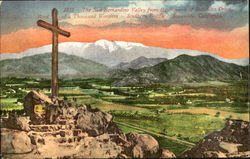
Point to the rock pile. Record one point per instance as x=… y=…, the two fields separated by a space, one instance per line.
x=62 y=130
x=232 y=141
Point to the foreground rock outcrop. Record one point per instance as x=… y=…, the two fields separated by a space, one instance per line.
x=14 y=141
x=57 y=129
x=232 y=141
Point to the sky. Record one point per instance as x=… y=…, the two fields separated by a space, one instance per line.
x=216 y=26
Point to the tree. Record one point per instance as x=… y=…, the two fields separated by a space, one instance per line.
x=65 y=98
x=157 y=111
x=217 y=114
x=75 y=99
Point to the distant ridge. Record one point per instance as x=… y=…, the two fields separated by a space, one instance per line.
x=70 y=66
x=183 y=68
x=139 y=62
x=112 y=53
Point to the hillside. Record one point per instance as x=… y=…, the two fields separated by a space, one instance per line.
x=183 y=68
x=139 y=62
x=70 y=66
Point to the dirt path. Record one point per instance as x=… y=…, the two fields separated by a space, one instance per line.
x=158 y=134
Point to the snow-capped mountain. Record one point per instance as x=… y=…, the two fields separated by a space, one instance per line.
x=112 y=53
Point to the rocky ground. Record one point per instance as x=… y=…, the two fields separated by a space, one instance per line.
x=232 y=141
x=66 y=131
x=63 y=130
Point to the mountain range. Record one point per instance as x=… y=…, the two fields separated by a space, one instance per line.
x=183 y=68
x=129 y=63
x=70 y=66
x=139 y=62
x=111 y=53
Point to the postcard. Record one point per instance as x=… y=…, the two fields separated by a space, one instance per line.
x=124 y=79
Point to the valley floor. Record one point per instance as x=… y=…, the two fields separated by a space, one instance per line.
x=176 y=115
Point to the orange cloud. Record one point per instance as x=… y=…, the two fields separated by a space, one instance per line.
x=232 y=44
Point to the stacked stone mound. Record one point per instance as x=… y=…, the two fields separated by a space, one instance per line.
x=232 y=141
x=67 y=131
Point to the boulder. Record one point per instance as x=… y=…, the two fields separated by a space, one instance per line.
x=14 y=141
x=167 y=154
x=137 y=152
x=94 y=123
x=32 y=99
x=143 y=145
x=114 y=129
x=52 y=113
x=232 y=141
x=15 y=122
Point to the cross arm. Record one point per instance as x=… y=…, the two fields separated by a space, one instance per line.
x=50 y=27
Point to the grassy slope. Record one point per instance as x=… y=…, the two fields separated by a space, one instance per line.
x=192 y=127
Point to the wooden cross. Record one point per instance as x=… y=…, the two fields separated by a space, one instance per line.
x=55 y=30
